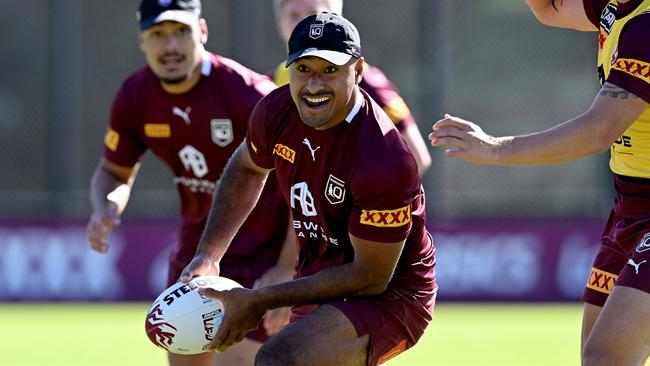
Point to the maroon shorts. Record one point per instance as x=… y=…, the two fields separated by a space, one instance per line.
x=181 y=257
x=394 y=321
x=624 y=254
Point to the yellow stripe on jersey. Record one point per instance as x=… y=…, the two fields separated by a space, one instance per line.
x=636 y=68
x=254 y=147
x=601 y=281
x=397 y=109
x=157 y=130
x=630 y=153
x=386 y=218
x=111 y=139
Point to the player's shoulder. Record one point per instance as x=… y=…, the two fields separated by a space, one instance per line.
x=378 y=129
x=278 y=101
x=640 y=24
x=233 y=71
x=142 y=80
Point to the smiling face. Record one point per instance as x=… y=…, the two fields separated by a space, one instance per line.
x=322 y=91
x=173 y=51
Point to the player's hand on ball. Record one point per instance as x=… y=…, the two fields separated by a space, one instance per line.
x=463 y=139
x=242 y=314
x=99 y=227
x=201 y=265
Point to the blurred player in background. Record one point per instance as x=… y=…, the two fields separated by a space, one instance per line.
x=191 y=108
x=616 y=319
x=289 y=12
x=365 y=285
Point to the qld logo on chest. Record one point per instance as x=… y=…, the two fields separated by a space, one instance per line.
x=608 y=17
x=222 y=133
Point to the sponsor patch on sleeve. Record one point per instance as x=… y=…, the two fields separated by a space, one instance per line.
x=285 y=152
x=601 y=281
x=636 y=68
x=386 y=218
x=111 y=139
x=157 y=130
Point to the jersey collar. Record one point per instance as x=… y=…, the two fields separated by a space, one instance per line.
x=358 y=101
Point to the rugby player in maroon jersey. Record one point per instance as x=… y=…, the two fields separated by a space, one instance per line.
x=365 y=284
x=616 y=317
x=191 y=109
x=289 y=12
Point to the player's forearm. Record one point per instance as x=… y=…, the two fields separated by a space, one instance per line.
x=343 y=281
x=235 y=196
x=108 y=189
x=569 y=141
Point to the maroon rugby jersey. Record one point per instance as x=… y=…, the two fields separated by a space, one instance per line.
x=194 y=134
x=357 y=177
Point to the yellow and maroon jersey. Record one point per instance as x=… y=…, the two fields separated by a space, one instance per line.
x=624 y=60
x=194 y=134
x=357 y=178
x=377 y=85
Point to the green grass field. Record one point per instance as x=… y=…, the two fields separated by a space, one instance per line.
x=460 y=334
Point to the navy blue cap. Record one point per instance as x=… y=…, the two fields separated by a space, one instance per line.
x=325 y=35
x=152 y=12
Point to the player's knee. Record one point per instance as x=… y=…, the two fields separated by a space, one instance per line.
x=273 y=353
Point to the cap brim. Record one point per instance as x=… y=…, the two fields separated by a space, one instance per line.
x=337 y=58
x=181 y=16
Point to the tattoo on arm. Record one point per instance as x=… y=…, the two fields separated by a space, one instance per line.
x=555 y=6
x=616 y=92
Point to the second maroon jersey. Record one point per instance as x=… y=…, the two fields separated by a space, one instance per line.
x=194 y=134
x=357 y=178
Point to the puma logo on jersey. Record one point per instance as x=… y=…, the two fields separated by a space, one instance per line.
x=184 y=114
x=313 y=151
x=635 y=265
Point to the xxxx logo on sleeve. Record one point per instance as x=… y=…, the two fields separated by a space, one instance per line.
x=111 y=139
x=601 y=281
x=285 y=152
x=636 y=68
x=386 y=218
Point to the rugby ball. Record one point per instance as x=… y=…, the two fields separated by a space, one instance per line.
x=184 y=322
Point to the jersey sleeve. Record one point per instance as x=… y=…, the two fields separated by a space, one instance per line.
x=593 y=9
x=383 y=196
x=382 y=91
x=257 y=138
x=122 y=144
x=631 y=67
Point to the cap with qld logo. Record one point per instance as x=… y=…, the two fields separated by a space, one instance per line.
x=325 y=35
x=152 y=12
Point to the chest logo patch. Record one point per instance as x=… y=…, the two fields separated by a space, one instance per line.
x=334 y=190
x=386 y=218
x=222 y=133
x=183 y=113
x=157 y=130
x=608 y=17
x=313 y=151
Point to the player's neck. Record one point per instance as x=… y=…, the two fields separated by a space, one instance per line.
x=186 y=85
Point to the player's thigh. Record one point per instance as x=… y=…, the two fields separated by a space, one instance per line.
x=201 y=359
x=590 y=314
x=325 y=337
x=242 y=353
x=620 y=335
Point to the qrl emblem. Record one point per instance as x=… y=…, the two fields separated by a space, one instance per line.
x=644 y=244
x=222 y=133
x=334 y=190
x=315 y=31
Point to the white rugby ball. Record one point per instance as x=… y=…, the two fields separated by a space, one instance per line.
x=184 y=322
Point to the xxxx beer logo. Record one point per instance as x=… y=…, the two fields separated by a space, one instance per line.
x=386 y=218
x=285 y=152
x=111 y=139
x=636 y=68
x=601 y=281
